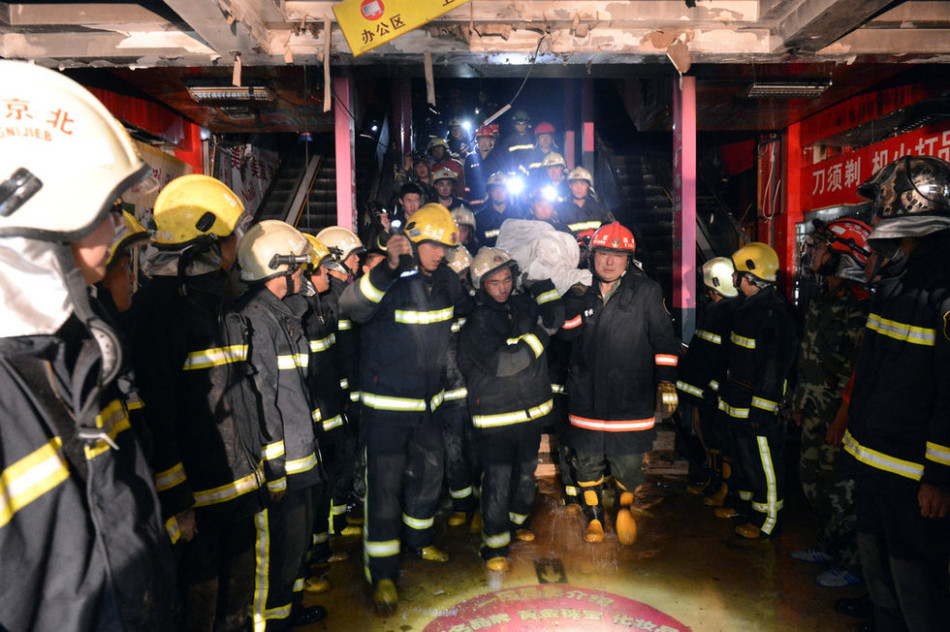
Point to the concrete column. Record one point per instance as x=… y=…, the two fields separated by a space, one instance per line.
x=345 y=141
x=793 y=211
x=684 y=204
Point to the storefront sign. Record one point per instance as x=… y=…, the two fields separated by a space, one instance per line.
x=369 y=23
x=834 y=181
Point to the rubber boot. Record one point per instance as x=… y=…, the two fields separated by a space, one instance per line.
x=498 y=564
x=458 y=518
x=715 y=473
x=699 y=488
x=626 y=525
x=385 y=597
x=718 y=498
x=593 y=505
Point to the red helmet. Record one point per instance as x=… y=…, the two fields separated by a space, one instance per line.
x=544 y=128
x=850 y=237
x=485 y=130
x=614 y=238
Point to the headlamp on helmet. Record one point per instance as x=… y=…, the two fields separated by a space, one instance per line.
x=271 y=249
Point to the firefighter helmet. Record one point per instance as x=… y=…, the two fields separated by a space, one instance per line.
x=758 y=260
x=318 y=251
x=717 y=276
x=848 y=241
x=489 y=131
x=614 y=237
x=270 y=249
x=580 y=173
x=489 y=261
x=520 y=116
x=909 y=186
x=459 y=259
x=65 y=159
x=554 y=159
x=437 y=142
x=433 y=222
x=497 y=179
x=544 y=128
x=193 y=207
x=444 y=174
x=341 y=242
x=128 y=232
x=463 y=216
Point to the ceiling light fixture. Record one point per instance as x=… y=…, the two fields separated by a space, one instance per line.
x=786 y=89
x=247 y=94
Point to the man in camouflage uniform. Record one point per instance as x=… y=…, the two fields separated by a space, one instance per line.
x=832 y=333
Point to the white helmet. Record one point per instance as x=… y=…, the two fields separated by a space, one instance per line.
x=490 y=260
x=271 y=248
x=463 y=216
x=459 y=259
x=580 y=173
x=717 y=276
x=64 y=159
x=341 y=242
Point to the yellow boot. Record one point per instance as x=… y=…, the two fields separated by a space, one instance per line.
x=595 y=532
x=317 y=585
x=476 y=525
x=498 y=565
x=525 y=535
x=716 y=500
x=458 y=518
x=432 y=554
x=385 y=597
x=626 y=527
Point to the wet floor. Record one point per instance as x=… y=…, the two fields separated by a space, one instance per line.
x=686 y=571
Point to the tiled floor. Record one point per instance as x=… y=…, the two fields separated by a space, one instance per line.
x=687 y=571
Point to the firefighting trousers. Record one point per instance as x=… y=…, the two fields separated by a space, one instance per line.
x=560 y=427
x=461 y=456
x=216 y=574
x=338 y=452
x=509 y=456
x=759 y=455
x=714 y=429
x=320 y=536
x=904 y=555
x=404 y=465
x=283 y=537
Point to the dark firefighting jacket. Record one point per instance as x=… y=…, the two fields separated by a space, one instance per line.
x=501 y=353
x=406 y=322
x=279 y=355
x=898 y=419
x=488 y=221
x=703 y=370
x=760 y=357
x=204 y=456
x=620 y=352
x=583 y=221
x=455 y=388
x=323 y=372
x=82 y=546
x=347 y=342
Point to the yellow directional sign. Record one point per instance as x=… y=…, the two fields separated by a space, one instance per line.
x=369 y=23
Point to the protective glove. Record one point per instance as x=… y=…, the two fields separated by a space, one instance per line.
x=667 y=399
x=550 y=307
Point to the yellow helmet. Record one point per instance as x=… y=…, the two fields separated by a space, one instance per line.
x=433 y=222
x=341 y=242
x=758 y=259
x=64 y=159
x=318 y=251
x=193 y=206
x=270 y=249
x=717 y=276
x=127 y=233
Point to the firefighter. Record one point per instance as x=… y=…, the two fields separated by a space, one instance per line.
x=527 y=161
x=704 y=370
x=760 y=355
x=519 y=140
x=272 y=256
x=837 y=254
x=445 y=183
x=205 y=465
x=334 y=436
x=582 y=210
x=442 y=158
x=499 y=206
x=80 y=527
x=542 y=206
x=464 y=218
x=623 y=360
x=501 y=353
x=406 y=308
x=462 y=470
x=481 y=163
x=116 y=289
x=898 y=432
x=551 y=173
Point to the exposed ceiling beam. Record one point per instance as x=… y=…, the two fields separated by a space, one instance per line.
x=814 y=24
x=235 y=30
x=131 y=15
x=924 y=42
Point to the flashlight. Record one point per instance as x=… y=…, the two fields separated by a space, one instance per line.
x=515 y=185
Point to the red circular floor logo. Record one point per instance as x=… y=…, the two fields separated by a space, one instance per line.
x=553 y=606
x=372 y=9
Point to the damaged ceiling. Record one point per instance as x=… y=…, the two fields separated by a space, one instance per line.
x=159 y=45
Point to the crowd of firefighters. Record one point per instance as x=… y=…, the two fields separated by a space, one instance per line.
x=183 y=457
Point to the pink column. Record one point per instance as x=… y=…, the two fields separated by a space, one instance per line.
x=345 y=135
x=402 y=115
x=684 y=204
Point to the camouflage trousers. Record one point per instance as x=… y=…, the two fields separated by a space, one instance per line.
x=830 y=494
